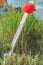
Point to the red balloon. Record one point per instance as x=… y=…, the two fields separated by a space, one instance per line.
x=29 y=8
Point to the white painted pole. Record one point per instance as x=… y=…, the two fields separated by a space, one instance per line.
x=16 y=36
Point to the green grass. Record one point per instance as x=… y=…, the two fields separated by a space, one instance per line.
x=31 y=38
x=29 y=48
x=24 y=59
x=8 y=25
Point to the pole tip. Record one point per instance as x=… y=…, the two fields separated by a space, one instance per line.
x=29 y=7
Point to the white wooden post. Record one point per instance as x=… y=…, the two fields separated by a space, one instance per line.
x=16 y=36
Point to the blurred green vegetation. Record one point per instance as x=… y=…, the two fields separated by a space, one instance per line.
x=24 y=59
x=30 y=40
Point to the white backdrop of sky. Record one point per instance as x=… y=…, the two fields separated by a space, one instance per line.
x=16 y=3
